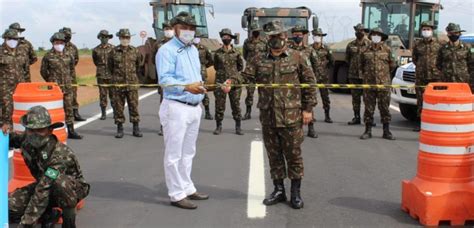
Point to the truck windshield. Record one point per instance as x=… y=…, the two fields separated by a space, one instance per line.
x=392 y=18
x=288 y=22
x=198 y=11
x=425 y=13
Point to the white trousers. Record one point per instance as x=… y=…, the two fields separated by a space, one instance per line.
x=180 y=130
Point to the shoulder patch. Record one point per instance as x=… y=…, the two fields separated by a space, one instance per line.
x=51 y=173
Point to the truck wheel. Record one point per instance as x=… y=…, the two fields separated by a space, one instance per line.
x=408 y=111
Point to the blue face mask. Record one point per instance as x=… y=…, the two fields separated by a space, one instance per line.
x=298 y=39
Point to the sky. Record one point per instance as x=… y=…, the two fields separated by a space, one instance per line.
x=42 y=18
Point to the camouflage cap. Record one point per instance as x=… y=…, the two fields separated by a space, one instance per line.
x=226 y=31
x=58 y=36
x=452 y=27
x=11 y=34
x=427 y=24
x=17 y=27
x=125 y=32
x=360 y=26
x=166 y=24
x=104 y=33
x=318 y=32
x=378 y=31
x=66 y=31
x=38 y=117
x=299 y=28
x=274 y=28
x=184 y=18
x=255 y=27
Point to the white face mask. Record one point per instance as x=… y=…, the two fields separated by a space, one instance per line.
x=186 y=36
x=59 y=47
x=125 y=42
x=376 y=39
x=12 y=43
x=169 y=33
x=427 y=33
x=317 y=39
x=197 y=40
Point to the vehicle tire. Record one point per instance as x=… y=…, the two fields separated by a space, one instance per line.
x=408 y=111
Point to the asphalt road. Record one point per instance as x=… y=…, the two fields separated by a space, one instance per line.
x=348 y=182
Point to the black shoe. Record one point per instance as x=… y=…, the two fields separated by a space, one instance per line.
x=136 y=131
x=248 y=113
x=386 y=132
x=218 y=128
x=104 y=113
x=311 y=132
x=278 y=195
x=77 y=116
x=50 y=218
x=71 y=133
x=208 y=115
x=160 y=132
x=368 y=132
x=119 y=134
x=296 y=202
x=238 y=129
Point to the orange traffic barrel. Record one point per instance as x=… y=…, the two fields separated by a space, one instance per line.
x=443 y=189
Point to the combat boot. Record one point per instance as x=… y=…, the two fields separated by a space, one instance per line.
x=119 y=134
x=311 y=132
x=248 y=113
x=103 y=113
x=368 y=132
x=77 y=116
x=69 y=218
x=136 y=131
x=71 y=133
x=50 y=218
x=327 y=116
x=160 y=132
x=218 y=128
x=278 y=195
x=386 y=132
x=296 y=202
x=238 y=129
x=208 y=115
x=356 y=119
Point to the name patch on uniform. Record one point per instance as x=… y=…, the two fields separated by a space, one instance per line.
x=52 y=173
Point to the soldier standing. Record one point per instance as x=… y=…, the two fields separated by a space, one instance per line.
x=25 y=48
x=322 y=60
x=378 y=63
x=100 y=56
x=206 y=59
x=228 y=63
x=124 y=64
x=58 y=66
x=456 y=59
x=59 y=181
x=354 y=51
x=283 y=111
x=11 y=73
x=425 y=54
x=71 y=49
x=253 y=46
x=298 y=33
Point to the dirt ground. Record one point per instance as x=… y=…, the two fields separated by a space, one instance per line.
x=85 y=68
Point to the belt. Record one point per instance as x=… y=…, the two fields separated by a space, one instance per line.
x=186 y=103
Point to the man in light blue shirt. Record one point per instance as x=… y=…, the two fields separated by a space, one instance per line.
x=179 y=70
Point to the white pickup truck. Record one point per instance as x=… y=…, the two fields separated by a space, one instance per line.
x=405 y=75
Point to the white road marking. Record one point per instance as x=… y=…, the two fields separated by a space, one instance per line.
x=97 y=116
x=394 y=108
x=256 y=190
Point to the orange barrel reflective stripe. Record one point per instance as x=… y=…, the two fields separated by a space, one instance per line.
x=443 y=189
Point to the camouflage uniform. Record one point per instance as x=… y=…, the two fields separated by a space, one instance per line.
x=206 y=59
x=59 y=181
x=100 y=56
x=11 y=73
x=425 y=54
x=25 y=49
x=72 y=50
x=456 y=61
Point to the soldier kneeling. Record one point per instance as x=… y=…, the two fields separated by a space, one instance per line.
x=59 y=180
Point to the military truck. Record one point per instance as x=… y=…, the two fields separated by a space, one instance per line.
x=401 y=19
x=290 y=17
x=165 y=10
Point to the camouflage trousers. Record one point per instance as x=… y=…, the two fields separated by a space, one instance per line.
x=324 y=93
x=68 y=104
x=64 y=192
x=419 y=93
x=371 y=97
x=356 y=94
x=283 y=147
x=122 y=95
x=6 y=104
x=249 y=98
x=221 y=97
x=75 y=104
x=206 y=100
x=104 y=92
